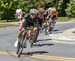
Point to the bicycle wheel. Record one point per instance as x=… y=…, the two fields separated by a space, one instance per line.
x=20 y=45
x=31 y=43
x=46 y=31
x=35 y=36
x=20 y=51
x=51 y=28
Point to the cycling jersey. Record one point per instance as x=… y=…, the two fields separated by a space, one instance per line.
x=29 y=21
x=53 y=15
x=41 y=17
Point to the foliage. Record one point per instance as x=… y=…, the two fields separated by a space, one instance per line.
x=70 y=11
x=8 y=7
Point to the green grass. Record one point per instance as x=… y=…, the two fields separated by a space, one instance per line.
x=64 y=19
x=4 y=21
x=7 y=25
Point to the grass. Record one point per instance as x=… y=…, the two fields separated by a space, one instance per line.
x=4 y=24
x=64 y=19
x=4 y=21
x=7 y=25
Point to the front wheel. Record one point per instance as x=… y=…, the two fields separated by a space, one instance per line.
x=46 y=31
x=19 y=49
x=50 y=30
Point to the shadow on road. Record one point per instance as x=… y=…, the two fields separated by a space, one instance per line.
x=55 y=30
x=47 y=44
x=44 y=40
x=35 y=52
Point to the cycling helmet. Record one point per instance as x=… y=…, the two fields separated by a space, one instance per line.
x=49 y=9
x=33 y=11
x=41 y=10
x=53 y=9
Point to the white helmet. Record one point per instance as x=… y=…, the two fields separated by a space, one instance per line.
x=33 y=11
x=49 y=9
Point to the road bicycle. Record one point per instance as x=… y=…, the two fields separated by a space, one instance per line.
x=22 y=43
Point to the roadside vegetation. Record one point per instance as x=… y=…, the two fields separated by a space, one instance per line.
x=65 y=8
x=65 y=19
x=7 y=25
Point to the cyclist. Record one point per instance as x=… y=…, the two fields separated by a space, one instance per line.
x=46 y=14
x=52 y=16
x=19 y=13
x=29 y=20
x=41 y=15
x=48 y=11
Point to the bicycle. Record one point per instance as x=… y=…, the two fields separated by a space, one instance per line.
x=49 y=26
x=24 y=39
x=21 y=43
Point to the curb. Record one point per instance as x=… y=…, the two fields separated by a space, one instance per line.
x=66 y=36
x=61 y=37
x=65 y=22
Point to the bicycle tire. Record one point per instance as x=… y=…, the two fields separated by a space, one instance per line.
x=20 y=51
x=46 y=31
x=20 y=45
x=31 y=43
x=34 y=36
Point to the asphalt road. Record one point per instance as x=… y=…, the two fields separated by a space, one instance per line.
x=44 y=50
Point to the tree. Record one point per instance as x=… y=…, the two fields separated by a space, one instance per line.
x=70 y=11
x=7 y=9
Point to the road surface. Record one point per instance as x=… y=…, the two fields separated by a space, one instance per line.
x=44 y=50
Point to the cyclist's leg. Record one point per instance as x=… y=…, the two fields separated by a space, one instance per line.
x=41 y=25
x=29 y=33
x=53 y=23
x=18 y=38
x=20 y=33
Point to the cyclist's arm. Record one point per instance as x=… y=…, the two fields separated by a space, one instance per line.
x=22 y=23
x=50 y=14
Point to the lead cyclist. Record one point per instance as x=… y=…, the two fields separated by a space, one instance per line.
x=29 y=20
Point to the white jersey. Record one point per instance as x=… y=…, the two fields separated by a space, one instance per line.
x=19 y=13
